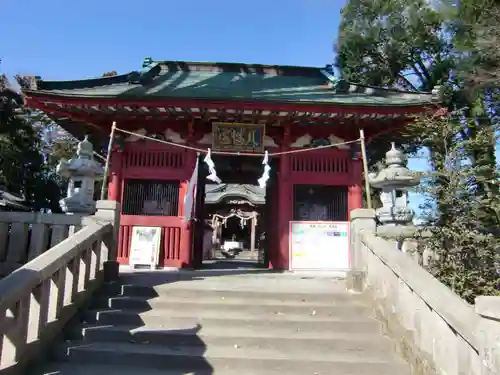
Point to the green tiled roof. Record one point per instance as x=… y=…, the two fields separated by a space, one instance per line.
x=226 y=81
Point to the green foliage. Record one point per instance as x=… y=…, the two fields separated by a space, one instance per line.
x=27 y=161
x=393 y=43
x=416 y=45
x=23 y=169
x=465 y=224
x=476 y=34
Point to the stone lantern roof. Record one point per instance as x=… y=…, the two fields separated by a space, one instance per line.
x=83 y=164
x=395 y=173
x=82 y=172
x=395 y=216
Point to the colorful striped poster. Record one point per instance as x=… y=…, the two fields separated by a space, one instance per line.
x=319 y=245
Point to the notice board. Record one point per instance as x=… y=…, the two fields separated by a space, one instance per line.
x=319 y=245
x=145 y=246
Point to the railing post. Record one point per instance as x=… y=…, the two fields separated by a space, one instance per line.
x=109 y=211
x=362 y=219
x=488 y=308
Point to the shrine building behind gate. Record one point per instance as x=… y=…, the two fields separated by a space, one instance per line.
x=233 y=107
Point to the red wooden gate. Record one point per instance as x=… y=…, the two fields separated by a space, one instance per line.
x=154 y=181
x=330 y=167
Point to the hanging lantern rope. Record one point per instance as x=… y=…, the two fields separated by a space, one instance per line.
x=262 y=181
x=236 y=153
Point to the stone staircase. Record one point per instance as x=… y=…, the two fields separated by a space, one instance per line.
x=241 y=255
x=208 y=322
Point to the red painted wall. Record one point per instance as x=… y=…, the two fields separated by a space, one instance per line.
x=331 y=167
x=155 y=161
x=152 y=160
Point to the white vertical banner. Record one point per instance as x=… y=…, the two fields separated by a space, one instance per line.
x=190 y=196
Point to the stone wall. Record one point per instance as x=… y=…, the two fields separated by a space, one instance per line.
x=436 y=331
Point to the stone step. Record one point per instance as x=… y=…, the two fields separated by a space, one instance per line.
x=222 y=304
x=257 y=368
x=244 y=296
x=204 y=358
x=246 y=323
x=236 y=299
x=249 y=327
x=250 y=281
x=136 y=317
x=243 y=255
x=272 y=339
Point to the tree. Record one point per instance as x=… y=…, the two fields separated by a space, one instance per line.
x=415 y=45
x=476 y=29
x=465 y=227
x=393 y=43
x=23 y=167
x=396 y=44
x=9 y=99
x=411 y=45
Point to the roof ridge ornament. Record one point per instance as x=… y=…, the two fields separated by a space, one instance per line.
x=329 y=73
x=145 y=75
x=148 y=61
x=27 y=82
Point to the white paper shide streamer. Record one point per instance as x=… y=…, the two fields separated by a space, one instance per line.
x=211 y=168
x=265 y=176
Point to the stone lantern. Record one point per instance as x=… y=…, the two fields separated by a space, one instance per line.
x=82 y=172
x=394 y=182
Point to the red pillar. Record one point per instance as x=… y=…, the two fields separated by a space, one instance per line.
x=115 y=181
x=284 y=214
x=115 y=194
x=285 y=207
x=355 y=190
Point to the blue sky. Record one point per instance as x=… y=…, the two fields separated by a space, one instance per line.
x=61 y=40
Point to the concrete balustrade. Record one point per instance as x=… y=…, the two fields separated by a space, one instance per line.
x=488 y=333
x=437 y=332
x=26 y=235
x=39 y=298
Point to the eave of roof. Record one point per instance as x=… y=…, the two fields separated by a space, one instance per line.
x=13 y=201
x=230 y=81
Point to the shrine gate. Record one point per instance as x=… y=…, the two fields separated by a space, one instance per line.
x=191 y=105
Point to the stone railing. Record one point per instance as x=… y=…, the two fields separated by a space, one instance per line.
x=26 y=235
x=38 y=299
x=435 y=330
x=411 y=240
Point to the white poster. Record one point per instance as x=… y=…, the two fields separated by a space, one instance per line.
x=319 y=245
x=145 y=246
